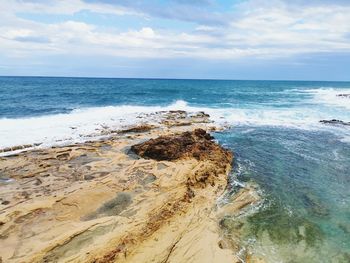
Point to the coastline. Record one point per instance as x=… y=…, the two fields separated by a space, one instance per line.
x=98 y=201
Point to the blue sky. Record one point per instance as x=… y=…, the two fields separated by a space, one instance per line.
x=239 y=39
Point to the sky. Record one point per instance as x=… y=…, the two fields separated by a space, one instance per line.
x=237 y=39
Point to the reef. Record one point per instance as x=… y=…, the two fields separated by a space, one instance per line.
x=147 y=193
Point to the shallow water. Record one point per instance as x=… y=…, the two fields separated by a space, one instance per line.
x=301 y=166
x=305 y=179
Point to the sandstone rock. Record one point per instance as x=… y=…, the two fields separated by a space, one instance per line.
x=91 y=202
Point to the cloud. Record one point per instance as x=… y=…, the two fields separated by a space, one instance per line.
x=197 y=11
x=317 y=2
x=259 y=29
x=194 y=2
x=68 y=7
x=35 y=39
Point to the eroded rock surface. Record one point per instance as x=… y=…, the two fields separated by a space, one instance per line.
x=94 y=202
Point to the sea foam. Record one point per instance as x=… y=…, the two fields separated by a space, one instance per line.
x=86 y=123
x=76 y=126
x=330 y=97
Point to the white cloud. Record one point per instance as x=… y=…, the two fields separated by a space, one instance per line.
x=62 y=7
x=256 y=30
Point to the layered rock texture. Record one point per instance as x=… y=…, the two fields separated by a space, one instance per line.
x=145 y=194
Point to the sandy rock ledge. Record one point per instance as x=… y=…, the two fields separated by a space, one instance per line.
x=143 y=195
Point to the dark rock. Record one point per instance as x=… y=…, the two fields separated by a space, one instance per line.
x=140 y=128
x=345 y=228
x=201 y=114
x=148 y=179
x=112 y=207
x=231 y=224
x=88 y=177
x=197 y=144
x=344 y=95
x=335 y=122
x=314 y=204
x=5 y=180
x=63 y=156
x=38 y=182
x=178 y=111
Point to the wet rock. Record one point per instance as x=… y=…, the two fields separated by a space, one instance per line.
x=315 y=205
x=18 y=147
x=89 y=177
x=5 y=180
x=112 y=207
x=201 y=114
x=230 y=224
x=197 y=144
x=180 y=114
x=335 y=122
x=282 y=227
x=63 y=156
x=342 y=257
x=182 y=118
x=177 y=123
x=148 y=179
x=255 y=259
x=345 y=228
x=84 y=159
x=137 y=129
x=161 y=166
x=344 y=95
x=7 y=149
x=38 y=182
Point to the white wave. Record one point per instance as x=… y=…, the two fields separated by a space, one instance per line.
x=76 y=126
x=80 y=124
x=329 y=97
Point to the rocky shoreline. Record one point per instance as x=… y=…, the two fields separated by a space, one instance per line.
x=144 y=194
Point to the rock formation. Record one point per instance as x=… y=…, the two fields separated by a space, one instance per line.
x=97 y=202
x=197 y=144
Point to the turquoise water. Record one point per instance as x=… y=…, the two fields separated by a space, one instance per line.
x=305 y=179
x=35 y=96
x=302 y=167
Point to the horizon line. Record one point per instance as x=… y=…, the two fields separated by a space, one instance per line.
x=160 y=78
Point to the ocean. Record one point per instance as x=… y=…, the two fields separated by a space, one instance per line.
x=301 y=167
